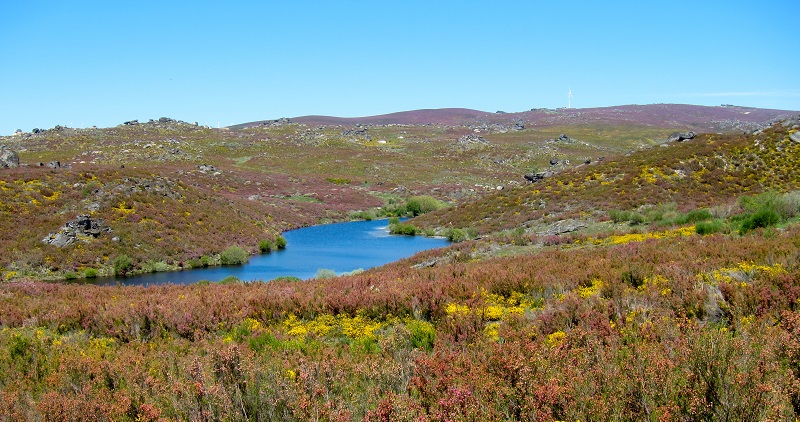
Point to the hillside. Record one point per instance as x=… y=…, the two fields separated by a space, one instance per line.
x=691 y=117
x=168 y=194
x=708 y=170
x=681 y=305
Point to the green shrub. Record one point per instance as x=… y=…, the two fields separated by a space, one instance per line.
x=417 y=205
x=160 y=267
x=618 y=216
x=632 y=218
x=394 y=220
x=403 y=228
x=704 y=228
x=69 y=275
x=231 y=279
x=265 y=246
x=122 y=264
x=280 y=242
x=761 y=219
x=325 y=273
x=456 y=235
x=422 y=334
x=338 y=180
x=90 y=273
x=234 y=255
x=287 y=278
x=698 y=215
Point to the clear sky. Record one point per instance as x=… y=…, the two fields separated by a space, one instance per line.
x=83 y=63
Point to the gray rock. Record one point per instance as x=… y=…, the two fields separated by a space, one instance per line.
x=8 y=158
x=472 y=139
x=535 y=177
x=561 y=227
x=795 y=137
x=82 y=226
x=678 y=136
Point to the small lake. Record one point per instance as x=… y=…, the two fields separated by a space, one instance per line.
x=341 y=247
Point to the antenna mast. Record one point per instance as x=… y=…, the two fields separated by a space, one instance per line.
x=569 y=97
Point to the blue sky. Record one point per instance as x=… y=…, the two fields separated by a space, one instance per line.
x=83 y=63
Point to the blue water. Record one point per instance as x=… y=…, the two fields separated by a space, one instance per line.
x=341 y=247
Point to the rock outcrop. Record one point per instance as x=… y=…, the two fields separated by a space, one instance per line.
x=535 y=177
x=8 y=158
x=679 y=137
x=83 y=227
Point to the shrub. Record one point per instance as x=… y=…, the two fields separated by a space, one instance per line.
x=422 y=334
x=456 y=235
x=280 y=242
x=231 y=279
x=698 y=215
x=265 y=246
x=394 y=220
x=122 y=264
x=325 y=273
x=417 y=205
x=69 y=275
x=338 y=180
x=619 y=216
x=290 y=278
x=709 y=227
x=626 y=216
x=761 y=219
x=403 y=228
x=234 y=255
x=90 y=273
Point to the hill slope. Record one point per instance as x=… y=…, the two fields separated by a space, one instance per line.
x=692 y=117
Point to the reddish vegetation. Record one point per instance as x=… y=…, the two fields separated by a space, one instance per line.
x=640 y=325
x=710 y=170
x=674 y=347
x=666 y=115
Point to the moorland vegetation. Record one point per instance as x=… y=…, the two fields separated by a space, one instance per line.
x=661 y=285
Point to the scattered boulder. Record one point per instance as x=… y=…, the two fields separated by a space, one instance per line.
x=561 y=227
x=519 y=125
x=358 y=131
x=8 y=158
x=795 y=137
x=83 y=227
x=563 y=138
x=679 y=137
x=553 y=162
x=208 y=168
x=54 y=164
x=535 y=177
x=472 y=139
x=131 y=123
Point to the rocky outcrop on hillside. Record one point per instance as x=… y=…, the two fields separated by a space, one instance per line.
x=83 y=227
x=680 y=137
x=8 y=158
x=470 y=142
x=535 y=177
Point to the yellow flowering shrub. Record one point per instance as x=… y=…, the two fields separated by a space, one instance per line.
x=742 y=273
x=591 y=290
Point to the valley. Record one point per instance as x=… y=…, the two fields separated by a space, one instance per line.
x=597 y=271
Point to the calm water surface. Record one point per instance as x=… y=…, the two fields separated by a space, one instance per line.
x=341 y=247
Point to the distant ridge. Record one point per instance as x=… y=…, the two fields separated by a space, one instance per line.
x=702 y=118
